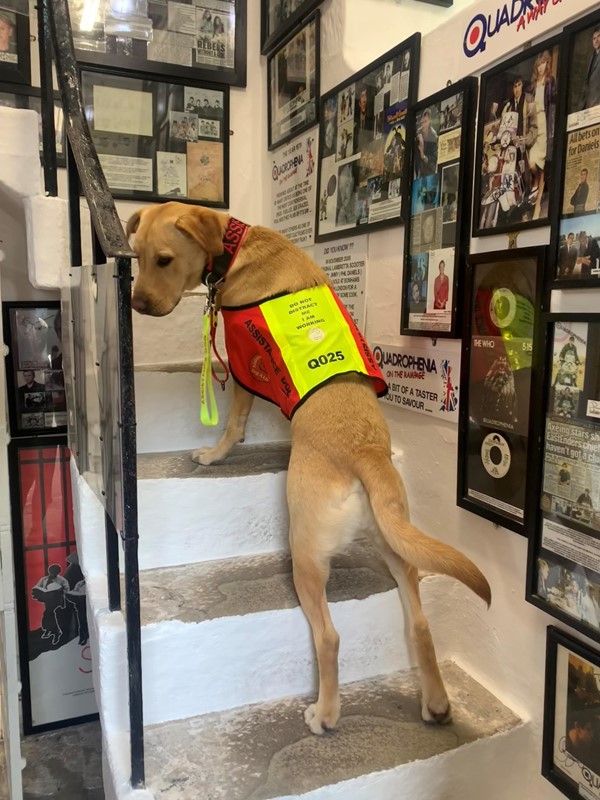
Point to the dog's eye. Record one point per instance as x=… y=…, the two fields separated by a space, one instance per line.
x=164 y=261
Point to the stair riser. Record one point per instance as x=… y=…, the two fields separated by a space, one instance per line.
x=180 y=428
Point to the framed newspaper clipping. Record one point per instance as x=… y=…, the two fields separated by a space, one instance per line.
x=293 y=83
x=160 y=140
x=498 y=449
x=200 y=41
x=576 y=239
x=279 y=17
x=564 y=554
x=518 y=141
x=439 y=192
x=571 y=740
x=363 y=135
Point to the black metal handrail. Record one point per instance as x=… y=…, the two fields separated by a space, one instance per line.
x=109 y=241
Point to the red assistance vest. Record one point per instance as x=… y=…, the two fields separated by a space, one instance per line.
x=284 y=348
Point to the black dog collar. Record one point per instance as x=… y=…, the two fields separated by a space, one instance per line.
x=217 y=268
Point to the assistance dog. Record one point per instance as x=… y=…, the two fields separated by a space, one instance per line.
x=341 y=481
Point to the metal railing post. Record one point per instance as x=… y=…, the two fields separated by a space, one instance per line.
x=47 y=100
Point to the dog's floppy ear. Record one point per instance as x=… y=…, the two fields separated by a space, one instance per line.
x=203 y=226
x=133 y=223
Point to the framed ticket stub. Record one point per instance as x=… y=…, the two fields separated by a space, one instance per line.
x=500 y=387
x=564 y=558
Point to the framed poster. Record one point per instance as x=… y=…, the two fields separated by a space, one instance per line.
x=30 y=97
x=361 y=182
x=203 y=41
x=160 y=141
x=435 y=238
x=293 y=83
x=34 y=368
x=15 y=58
x=571 y=741
x=520 y=103
x=55 y=658
x=279 y=17
x=564 y=555
x=576 y=240
x=500 y=387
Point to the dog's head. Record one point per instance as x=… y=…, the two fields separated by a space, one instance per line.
x=174 y=242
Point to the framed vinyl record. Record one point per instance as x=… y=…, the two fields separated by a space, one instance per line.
x=564 y=554
x=500 y=387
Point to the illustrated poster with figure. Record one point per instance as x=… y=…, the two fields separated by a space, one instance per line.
x=55 y=656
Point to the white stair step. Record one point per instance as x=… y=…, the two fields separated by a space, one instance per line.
x=190 y=513
x=381 y=750
x=175 y=337
x=168 y=410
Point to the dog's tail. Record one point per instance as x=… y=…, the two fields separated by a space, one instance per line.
x=384 y=488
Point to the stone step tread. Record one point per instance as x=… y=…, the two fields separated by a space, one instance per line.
x=251 y=584
x=243 y=461
x=265 y=751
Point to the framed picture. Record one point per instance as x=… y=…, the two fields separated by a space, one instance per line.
x=293 y=84
x=571 y=741
x=279 y=17
x=564 y=555
x=500 y=387
x=518 y=146
x=55 y=658
x=364 y=129
x=15 y=58
x=576 y=240
x=203 y=41
x=36 y=382
x=160 y=141
x=435 y=238
x=30 y=97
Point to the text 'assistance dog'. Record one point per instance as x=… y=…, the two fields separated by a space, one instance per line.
x=341 y=480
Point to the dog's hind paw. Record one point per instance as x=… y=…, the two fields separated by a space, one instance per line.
x=206 y=456
x=318 y=722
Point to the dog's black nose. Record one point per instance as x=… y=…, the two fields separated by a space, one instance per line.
x=139 y=303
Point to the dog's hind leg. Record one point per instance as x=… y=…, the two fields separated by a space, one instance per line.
x=435 y=706
x=310 y=579
x=235 y=431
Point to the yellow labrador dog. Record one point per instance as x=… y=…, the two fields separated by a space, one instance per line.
x=341 y=480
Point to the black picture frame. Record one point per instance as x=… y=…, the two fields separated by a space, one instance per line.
x=567 y=534
x=501 y=387
x=366 y=191
x=571 y=734
x=293 y=101
x=172 y=145
x=44 y=535
x=15 y=56
x=33 y=333
x=576 y=264
x=511 y=162
x=433 y=198
x=278 y=19
x=29 y=97
x=120 y=51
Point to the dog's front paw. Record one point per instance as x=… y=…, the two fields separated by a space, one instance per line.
x=438 y=713
x=319 y=721
x=206 y=456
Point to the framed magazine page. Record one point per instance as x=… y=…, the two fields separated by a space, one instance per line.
x=564 y=555
x=520 y=107
x=203 y=41
x=500 y=387
x=571 y=740
x=34 y=368
x=15 y=57
x=279 y=17
x=576 y=240
x=435 y=239
x=293 y=83
x=158 y=140
x=364 y=130
x=30 y=97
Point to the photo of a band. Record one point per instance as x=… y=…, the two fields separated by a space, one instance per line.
x=518 y=109
x=578 y=245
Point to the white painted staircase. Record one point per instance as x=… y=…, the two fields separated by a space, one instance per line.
x=228 y=663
